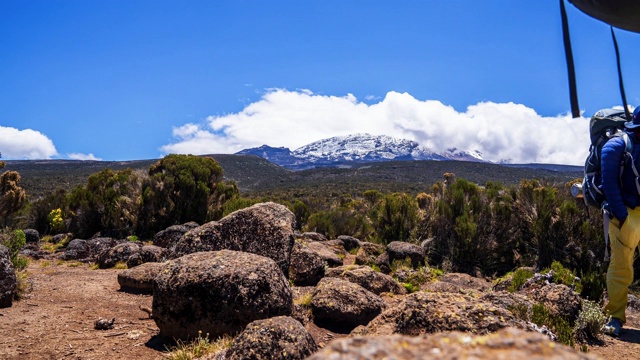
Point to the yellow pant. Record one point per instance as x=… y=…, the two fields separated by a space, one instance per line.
x=620 y=273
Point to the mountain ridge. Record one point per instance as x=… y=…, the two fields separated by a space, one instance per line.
x=355 y=148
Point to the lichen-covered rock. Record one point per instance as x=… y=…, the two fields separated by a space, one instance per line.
x=119 y=253
x=330 y=257
x=518 y=304
x=279 y=337
x=368 y=253
x=8 y=279
x=400 y=250
x=31 y=235
x=147 y=253
x=341 y=303
x=170 y=236
x=457 y=282
x=264 y=229
x=337 y=246
x=307 y=267
x=349 y=242
x=364 y=276
x=505 y=344
x=218 y=292
x=424 y=313
x=139 y=279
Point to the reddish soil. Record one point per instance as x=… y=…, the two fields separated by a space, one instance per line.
x=55 y=320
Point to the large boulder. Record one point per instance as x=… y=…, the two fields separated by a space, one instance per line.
x=170 y=236
x=99 y=244
x=326 y=253
x=307 y=267
x=400 y=250
x=147 y=253
x=8 y=281
x=342 y=304
x=276 y=338
x=218 y=292
x=119 y=253
x=559 y=299
x=505 y=344
x=264 y=229
x=423 y=313
x=364 y=276
x=139 y=279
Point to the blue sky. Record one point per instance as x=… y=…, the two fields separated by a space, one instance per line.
x=122 y=80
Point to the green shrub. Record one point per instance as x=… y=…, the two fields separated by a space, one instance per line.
x=593 y=285
x=541 y=316
x=562 y=275
x=519 y=278
x=56 y=222
x=14 y=241
x=590 y=322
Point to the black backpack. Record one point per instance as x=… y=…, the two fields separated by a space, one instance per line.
x=604 y=125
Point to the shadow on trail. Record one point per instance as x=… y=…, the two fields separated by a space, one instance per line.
x=630 y=335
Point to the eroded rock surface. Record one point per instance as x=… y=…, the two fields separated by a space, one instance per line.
x=218 y=292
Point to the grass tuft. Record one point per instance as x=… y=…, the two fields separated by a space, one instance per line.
x=304 y=300
x=197 y=348
x=121 y=265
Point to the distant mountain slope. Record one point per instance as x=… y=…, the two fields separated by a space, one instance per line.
x=255 y=175
x=356 y=148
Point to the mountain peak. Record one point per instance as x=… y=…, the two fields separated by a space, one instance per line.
x=355 y=148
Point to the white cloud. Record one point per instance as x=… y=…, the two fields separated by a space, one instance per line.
x=25 y=144
x=296 y=118
x=79 y=156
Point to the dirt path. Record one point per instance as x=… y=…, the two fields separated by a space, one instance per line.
x=56 y=320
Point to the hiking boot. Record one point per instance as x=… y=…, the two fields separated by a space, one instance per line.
x=613 y=327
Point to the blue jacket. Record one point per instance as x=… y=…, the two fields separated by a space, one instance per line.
x=620 y=191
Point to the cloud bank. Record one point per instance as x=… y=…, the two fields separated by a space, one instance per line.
x=25 y=144
x=504 y=131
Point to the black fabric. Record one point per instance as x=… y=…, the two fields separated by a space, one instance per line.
x=620 y=82
x=623 y=14
x=573 y=91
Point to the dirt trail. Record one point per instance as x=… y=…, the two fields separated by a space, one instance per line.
x=56 y=320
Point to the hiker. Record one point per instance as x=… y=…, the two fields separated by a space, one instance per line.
x=622 y=192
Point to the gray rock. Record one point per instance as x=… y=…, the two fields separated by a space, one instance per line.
x=424 y=313
x=77 y=249
x=58 y=238
x=218 y=292
x=147 y=253
x=264 y=229
x=349 y=242
x=31 y=235
x=364 y=276
x=459 y=283
x=505 y=344
x=8 y=281
x=340 y=303
x=312 y=236
x=279 y=337
x=119 y=253
x=307 y=267
x=331 y=258
x=400 y=250
x=170 y=236
x=139 y=279
x=368 y=252
x=99 y=244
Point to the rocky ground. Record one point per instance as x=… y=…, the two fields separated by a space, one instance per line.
x=56 y=320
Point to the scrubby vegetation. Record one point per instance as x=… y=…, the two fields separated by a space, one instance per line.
x=486 y=228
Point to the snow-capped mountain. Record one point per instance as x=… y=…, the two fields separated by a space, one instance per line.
x=359 y=148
